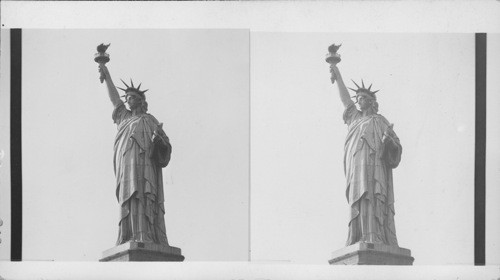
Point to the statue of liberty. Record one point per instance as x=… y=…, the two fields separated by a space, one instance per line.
x=371 y=151
x=141 y=150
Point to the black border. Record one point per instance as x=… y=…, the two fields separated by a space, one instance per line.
x=16 y=186
x=480 y=152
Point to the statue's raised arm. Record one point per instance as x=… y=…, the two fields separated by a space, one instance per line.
x=343 y=93
x=112 y=91
x=333 y=58
x=101 y=57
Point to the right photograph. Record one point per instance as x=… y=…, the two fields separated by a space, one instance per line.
x=362 y=148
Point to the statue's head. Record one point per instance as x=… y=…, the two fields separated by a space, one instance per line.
x=365 y=101
x=135 y=97
x=365 y=98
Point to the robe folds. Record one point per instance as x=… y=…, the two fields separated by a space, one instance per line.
x=138 y=159
x=368 y=164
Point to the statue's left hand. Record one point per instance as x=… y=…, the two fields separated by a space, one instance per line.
x=160 y=133
x=389 y=135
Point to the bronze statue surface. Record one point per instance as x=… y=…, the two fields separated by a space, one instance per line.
x=141 y=150
x=371 y=151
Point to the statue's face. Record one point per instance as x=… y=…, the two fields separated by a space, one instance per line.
x=134 y=100
x=365 y=101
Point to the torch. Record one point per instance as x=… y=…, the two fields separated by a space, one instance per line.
x=332 y=57
x=102 y=57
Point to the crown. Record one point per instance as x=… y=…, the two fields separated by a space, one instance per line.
x=131 y=88
x=363 y=89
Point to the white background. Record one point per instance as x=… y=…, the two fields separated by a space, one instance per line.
x=5 y=147
x=354 y=16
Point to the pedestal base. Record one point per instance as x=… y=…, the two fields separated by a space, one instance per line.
x=142 y=252
x=371 y=254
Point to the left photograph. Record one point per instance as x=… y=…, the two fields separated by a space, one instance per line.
x=135 y=145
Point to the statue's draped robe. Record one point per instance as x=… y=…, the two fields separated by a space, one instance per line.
x=138 y=160
x=368 y=164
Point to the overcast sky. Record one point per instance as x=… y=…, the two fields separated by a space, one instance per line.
x=426 y=83
x=5 y=146
x=198 y=85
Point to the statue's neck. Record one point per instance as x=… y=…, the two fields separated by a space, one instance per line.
x=368 y=112
x=138 y=111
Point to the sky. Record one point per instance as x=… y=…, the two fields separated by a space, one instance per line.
x=198 y=83
x=4 y=147
x=426 y=83
x=298 y=209
x=492 y=151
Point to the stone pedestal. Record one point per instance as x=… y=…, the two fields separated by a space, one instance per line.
x=142 y=252
x=371 y=254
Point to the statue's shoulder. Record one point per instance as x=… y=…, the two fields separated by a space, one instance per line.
x=382 y=119
x=152 y=118
x=121 y=113
x=351 y=113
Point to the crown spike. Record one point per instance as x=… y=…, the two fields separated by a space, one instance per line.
x=355 y=83
x=375 y=91
x=362 y=83
x=124 y=83
x=370 y=87
x=132 y=88
x=355 y=90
